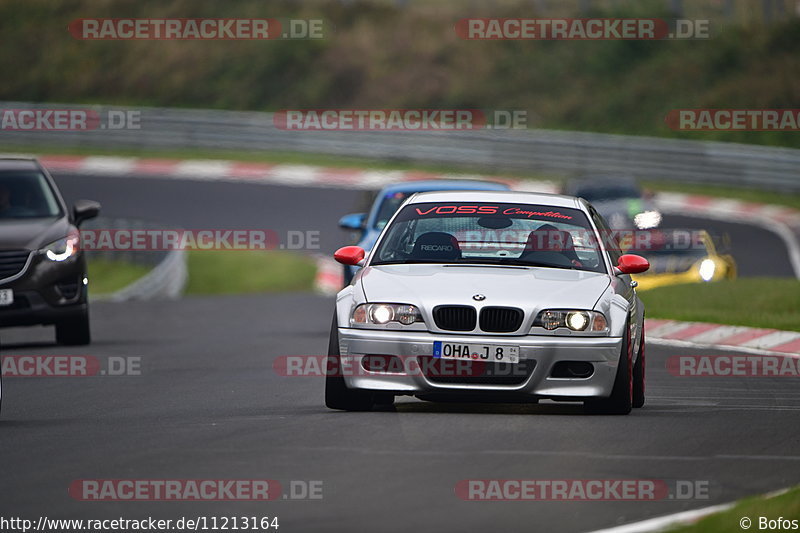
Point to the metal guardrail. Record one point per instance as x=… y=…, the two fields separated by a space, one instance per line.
x=549 y=151
x=167 y=277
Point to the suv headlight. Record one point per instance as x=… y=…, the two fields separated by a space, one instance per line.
x=382 y=314
x=62 y=249
x=574 y=320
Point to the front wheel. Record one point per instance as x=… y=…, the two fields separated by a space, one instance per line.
x=74 y=331
x=621 y=400
x=337 y=394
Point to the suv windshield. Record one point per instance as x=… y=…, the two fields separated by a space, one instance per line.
x=599 y=193
x=26 y=194
x=491 y=233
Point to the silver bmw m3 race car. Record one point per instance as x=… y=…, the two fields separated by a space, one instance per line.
x=490 y=296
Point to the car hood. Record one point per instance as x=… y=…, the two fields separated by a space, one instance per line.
x=33 y=233
x=526 y=287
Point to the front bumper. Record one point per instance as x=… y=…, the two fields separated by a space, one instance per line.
x=542 y=353
x=46 y=292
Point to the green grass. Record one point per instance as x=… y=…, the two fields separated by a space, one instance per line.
x=106 y=276
x=396 y=55
x=754 y=302
x=248 y=271
x=786 y=505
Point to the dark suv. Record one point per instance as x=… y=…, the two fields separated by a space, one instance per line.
x=42 y=270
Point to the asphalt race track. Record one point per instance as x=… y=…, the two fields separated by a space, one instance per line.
x=205 y=205
x=208 y=405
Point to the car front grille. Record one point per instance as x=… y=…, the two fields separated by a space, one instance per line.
x=12 y=262
x=455 y=317
x=501 y=319
x=465 y=372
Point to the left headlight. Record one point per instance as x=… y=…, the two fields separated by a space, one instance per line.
x=647 y=219
x=706 y=269
x=381 y=314
x=574 y=320
x=62 y=249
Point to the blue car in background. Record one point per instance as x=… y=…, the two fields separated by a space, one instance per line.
x=369 y=225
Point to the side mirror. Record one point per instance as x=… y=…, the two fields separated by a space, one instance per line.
x=83 y=210
x=631 y=264
x=350 y=255
x=353 y=221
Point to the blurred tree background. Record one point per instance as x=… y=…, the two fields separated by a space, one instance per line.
x=405 y=53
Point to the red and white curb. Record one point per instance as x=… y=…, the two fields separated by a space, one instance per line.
x=271 y=174
x=737 y=338
x=330 y=275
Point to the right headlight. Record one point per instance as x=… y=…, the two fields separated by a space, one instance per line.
x=573 y=319
x=383 y=314
x=62 y=249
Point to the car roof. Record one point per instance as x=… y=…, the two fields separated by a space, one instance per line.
x=18 y=163
x=537 y=198
x=445 y=184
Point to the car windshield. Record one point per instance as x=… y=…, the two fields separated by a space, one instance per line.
x=391 y=203
x=26 y=194
x=491 y=233
x=599 y=193
x=672 y=243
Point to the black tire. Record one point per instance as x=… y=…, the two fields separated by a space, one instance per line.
x=337 y=395
x=638 y=375
x=621 y=400
x=74 y=331
x=383 y=398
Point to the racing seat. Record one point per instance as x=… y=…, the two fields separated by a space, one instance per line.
x=548 y=238
x=436 y=245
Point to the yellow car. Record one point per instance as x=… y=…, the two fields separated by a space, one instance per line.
x=681 y=256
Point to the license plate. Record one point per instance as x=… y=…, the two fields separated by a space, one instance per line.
x=490 y=353
x=6 y=297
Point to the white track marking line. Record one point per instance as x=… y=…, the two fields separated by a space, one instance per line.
x=715 y=335
x=663 y=522
x=773 y=339
x=297 y=175
x=203 y=169
x=721 y=347
x=109 y=165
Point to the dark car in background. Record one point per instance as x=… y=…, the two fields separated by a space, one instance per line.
x=388 y=201
x=619 y=200
x=42 y=269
